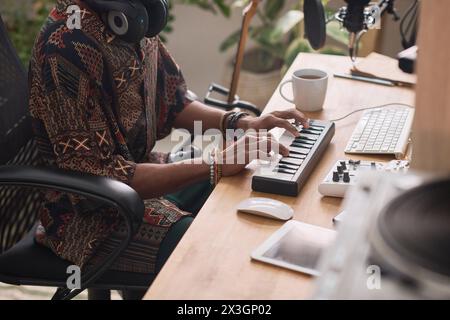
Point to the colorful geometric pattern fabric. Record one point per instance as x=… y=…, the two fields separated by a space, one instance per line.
x=98 y=106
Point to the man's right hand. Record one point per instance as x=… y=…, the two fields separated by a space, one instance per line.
x=235 y=157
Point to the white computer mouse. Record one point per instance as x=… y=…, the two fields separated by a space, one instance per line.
x=266 y=207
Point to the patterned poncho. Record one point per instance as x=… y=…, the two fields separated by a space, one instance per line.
x=98 y=105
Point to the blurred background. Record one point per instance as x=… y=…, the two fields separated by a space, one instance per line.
x=202 y=35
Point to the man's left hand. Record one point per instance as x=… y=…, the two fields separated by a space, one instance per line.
x=281 y=119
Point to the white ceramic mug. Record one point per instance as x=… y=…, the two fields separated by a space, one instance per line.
x=309 y=87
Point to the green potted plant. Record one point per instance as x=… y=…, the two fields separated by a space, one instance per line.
x=273 y=35
x=276 y=39
x=23 y=20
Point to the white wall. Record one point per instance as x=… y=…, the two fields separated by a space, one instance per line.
x=195 y=45
x=198 y=34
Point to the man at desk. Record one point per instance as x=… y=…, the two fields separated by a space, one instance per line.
x=100 y=98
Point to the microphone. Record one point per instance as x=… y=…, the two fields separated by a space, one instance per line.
x=315 y=25
x=354 y=21
x=356 y=17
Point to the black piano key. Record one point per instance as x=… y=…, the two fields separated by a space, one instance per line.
x=301 y=145
x=314 y=132
x=305 y=141
x=291 y=161
x=314 y=139
x=314 y=127
x=311 y=137
x=297 y=152
x=288 y=166
x=286 y=171
x=303 y=150
x=297 y=156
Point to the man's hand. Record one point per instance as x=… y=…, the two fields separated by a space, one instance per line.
x=275 y=119
x=251 y=146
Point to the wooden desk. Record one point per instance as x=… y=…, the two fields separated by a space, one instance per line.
x=213 y=261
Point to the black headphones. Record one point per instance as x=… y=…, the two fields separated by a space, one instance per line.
x=132 y=20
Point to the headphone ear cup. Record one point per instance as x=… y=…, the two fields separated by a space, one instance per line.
x=118 y=22
x=129 y=29
x=158 y=14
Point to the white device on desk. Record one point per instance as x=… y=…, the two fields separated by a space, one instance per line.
x=266 y=207
x=297 y=246
x=382 y=131
x=345 y=173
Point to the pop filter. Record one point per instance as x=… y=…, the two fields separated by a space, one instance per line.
x=315 y=26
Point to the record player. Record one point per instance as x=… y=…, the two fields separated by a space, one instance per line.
x=394 y=242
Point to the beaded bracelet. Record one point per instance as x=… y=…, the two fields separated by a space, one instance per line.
x=215 y=168
x=218 y=169
x=212 y=178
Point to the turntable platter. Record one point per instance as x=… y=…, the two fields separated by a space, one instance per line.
x=416 y=226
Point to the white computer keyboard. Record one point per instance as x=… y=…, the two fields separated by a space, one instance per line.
x=382 y=131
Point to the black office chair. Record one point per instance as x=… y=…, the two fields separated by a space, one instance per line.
x=22 y=261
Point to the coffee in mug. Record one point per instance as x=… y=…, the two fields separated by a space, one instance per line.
x=309 y=87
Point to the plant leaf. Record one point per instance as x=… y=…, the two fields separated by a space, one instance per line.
x=335 y=31
x=289 y=20
x=230 y=41
x=223 y=7
x=274 y=35
x=272 y=8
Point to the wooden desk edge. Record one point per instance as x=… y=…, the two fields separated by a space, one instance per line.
x=313 y=209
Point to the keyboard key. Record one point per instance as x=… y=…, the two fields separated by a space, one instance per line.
x=297 y=150
x=286 y=171
x=310 y=136
x=301 y=145
x=313 y=132
x=291 y=161
x=288 y=166
x=297 y=156
x=305 y=140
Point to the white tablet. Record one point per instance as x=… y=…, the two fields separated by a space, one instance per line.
x=296 y=246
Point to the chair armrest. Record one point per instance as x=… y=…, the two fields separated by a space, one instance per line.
x=106 y=190
x=102 y=189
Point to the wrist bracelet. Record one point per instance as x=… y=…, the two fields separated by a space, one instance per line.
x=215 y=168
x=231 y=134
x=233 y=119
x=212 y=177
x=219 y=172
x=218 y=166
x=224 y=118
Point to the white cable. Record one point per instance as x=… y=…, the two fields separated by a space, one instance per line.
x=369 y=108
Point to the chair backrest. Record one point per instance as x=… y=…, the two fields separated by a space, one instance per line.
x=18 y=206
